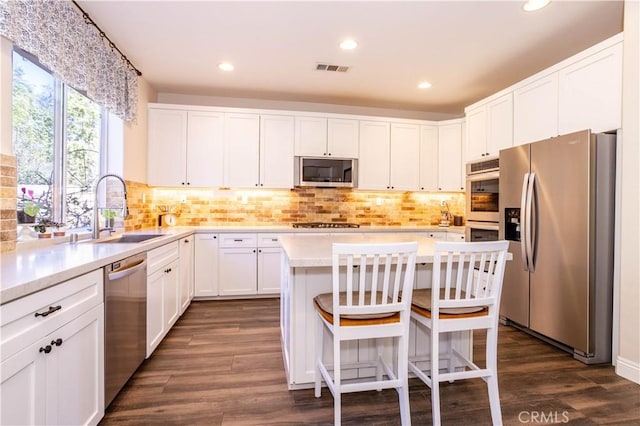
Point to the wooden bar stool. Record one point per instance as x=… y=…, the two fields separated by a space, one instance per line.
x=368 y=280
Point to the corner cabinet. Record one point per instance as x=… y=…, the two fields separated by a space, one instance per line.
x=185 y=148
x=52 y=355
x=450 y=168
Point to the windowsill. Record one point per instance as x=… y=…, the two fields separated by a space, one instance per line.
x=36 y=243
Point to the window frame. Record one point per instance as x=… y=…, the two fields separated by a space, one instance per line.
x=60 y=92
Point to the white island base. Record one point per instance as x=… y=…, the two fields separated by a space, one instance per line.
x=306 y=272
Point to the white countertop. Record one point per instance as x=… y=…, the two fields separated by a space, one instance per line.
x=315 y=251
x=27 y=271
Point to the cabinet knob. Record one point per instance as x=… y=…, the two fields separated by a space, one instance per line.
x=188 y=183
x=181 y=183
x=46 y=349
x=57 y=342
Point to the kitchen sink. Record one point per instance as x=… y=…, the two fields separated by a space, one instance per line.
x=130 y=238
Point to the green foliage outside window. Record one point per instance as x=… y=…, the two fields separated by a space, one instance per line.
x=58 y=159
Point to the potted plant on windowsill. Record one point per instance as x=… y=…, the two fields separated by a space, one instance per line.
x=27 y=207
x=44 y=227
x=58 y=229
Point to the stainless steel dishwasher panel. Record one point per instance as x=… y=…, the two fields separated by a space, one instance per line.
x=125 y=299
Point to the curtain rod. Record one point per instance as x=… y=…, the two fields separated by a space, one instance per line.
x=112 y=45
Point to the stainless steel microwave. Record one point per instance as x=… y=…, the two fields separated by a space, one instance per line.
x=326 y=172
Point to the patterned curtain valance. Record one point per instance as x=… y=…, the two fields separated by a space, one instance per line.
x=57 y=34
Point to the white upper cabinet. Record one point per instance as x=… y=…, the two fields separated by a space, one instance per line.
x=311 y=137
x=499 y=124
x=241 y=150
x=205 y=133
x=428 y=158
x=591 y=93
x=405 y=157
x=321 y=137
x=167 y=148
x=450 y=168
x=535 y=110
x=476 y=126
x=185 y=148
x=390 y=155
x=342 y=138
x=276 y=151
x=373 y=161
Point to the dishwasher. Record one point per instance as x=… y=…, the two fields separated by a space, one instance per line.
x=125 y=310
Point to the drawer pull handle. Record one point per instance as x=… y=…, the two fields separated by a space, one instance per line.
x=167 y=270
x=57 y=342
x=51 y=310
x=238 y=241
x=46 y=349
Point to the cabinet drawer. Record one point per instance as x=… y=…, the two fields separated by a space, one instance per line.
x=26 y=320
x=160 y=256
x=268 y=240
x=238 y=240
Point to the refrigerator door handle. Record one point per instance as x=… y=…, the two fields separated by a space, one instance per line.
x=523 y=222
x=529 y=228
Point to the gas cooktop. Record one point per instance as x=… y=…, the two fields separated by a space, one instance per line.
x=325 y=225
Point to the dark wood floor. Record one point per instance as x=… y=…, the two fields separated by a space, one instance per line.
x=221 y=364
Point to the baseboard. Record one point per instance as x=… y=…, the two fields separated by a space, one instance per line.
x=628 y=369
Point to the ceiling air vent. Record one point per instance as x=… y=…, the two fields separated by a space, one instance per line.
x=328 y=67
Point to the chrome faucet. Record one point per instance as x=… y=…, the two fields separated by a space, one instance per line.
x=96 y=219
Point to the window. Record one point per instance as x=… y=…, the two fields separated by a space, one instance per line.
x=58 y=141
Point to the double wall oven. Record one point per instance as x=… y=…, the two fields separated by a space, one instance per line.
x=483 y=181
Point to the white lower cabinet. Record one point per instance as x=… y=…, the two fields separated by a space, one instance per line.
x=163 y=277
x=248 y=264
x=238 y=271
x=269 y=266
x=52 y=367
x=455 y=236
x=186 y=272
x=205 y=265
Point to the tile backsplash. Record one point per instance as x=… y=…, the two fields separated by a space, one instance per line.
x=203 y=207
x=200 y=207
x=8 y=201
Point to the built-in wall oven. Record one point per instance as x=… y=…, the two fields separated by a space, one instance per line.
x=482 y=200
x=483 y=178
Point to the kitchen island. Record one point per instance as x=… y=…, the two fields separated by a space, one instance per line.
x=306 y=272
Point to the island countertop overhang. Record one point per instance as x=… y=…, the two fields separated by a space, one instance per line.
x=308 y=251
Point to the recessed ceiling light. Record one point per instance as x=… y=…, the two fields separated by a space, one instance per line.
x=225 y=66
x=531 y=5
x=348 y=44
x=424 y=85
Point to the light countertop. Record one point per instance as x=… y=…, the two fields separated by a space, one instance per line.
x=29 y=270
x=315 y=251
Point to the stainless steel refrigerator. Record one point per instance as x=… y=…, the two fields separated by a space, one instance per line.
x=557 y=210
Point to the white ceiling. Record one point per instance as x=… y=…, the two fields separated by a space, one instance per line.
x=466 y=49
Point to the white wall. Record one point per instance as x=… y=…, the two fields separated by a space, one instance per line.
x=628 y=360
x=135 y=137
x=174 y=98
